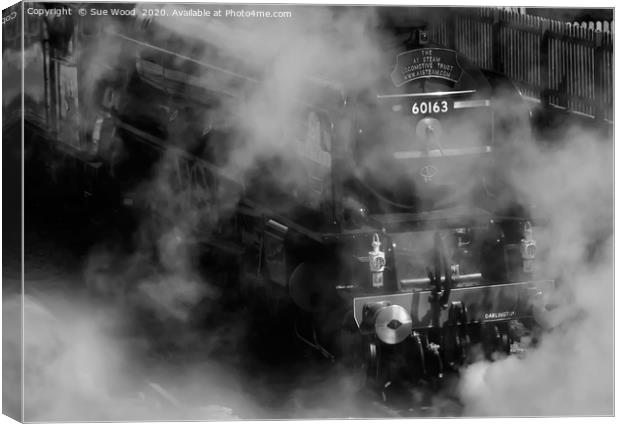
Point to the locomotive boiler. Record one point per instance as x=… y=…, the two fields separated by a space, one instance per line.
x=398 y=243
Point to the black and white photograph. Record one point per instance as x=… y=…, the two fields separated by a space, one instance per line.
x=247 y=211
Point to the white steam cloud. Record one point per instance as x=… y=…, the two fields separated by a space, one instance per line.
x=570 y=371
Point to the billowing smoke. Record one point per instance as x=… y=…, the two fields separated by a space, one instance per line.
x=136 y=353
x=569 y=180
x=84 y=361
x=301 y=62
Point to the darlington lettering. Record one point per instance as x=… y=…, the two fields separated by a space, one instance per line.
x=500 y=315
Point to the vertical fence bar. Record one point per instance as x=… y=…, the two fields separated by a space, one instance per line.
x=610 y=74
x=593 y=67
x=496 y=45
x=562 y=87
x=571 y=67
x=584 y=67
x=544 y=63
x=588 y=64
x=489 y=37
x=578 y=73
x=575 y=63
x=508 y=65
x=599 y=77
x=534 y=69
x=516 y=51
x=453 y=39
x=569 y=61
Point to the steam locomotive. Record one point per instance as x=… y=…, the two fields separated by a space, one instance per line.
x=386 y=222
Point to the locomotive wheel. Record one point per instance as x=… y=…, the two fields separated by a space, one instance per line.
x=418 y=350
x=366 y=368
x=495 y=341
x=434 y=368
x=386 y=373
x=455 y=337
x=372 y=363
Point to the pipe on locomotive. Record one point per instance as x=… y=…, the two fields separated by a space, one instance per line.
x=425 y=281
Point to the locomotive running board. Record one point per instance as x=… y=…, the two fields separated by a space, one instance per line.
x=484 y=302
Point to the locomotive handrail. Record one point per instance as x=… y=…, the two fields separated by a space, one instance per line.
x=158 y=143
x=431 y=94
x=330 y=85
x=416 y=154
x=454 y=218
x=417 y=222
x=425 y=281
x=259 y=210
x=182 y=56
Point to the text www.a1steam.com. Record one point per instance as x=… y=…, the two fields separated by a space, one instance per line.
x=165 y=12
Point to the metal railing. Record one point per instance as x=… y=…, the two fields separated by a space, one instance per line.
x=567 y=65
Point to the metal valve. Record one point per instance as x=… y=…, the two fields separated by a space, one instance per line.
x=376 y=261
x=528 y=248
